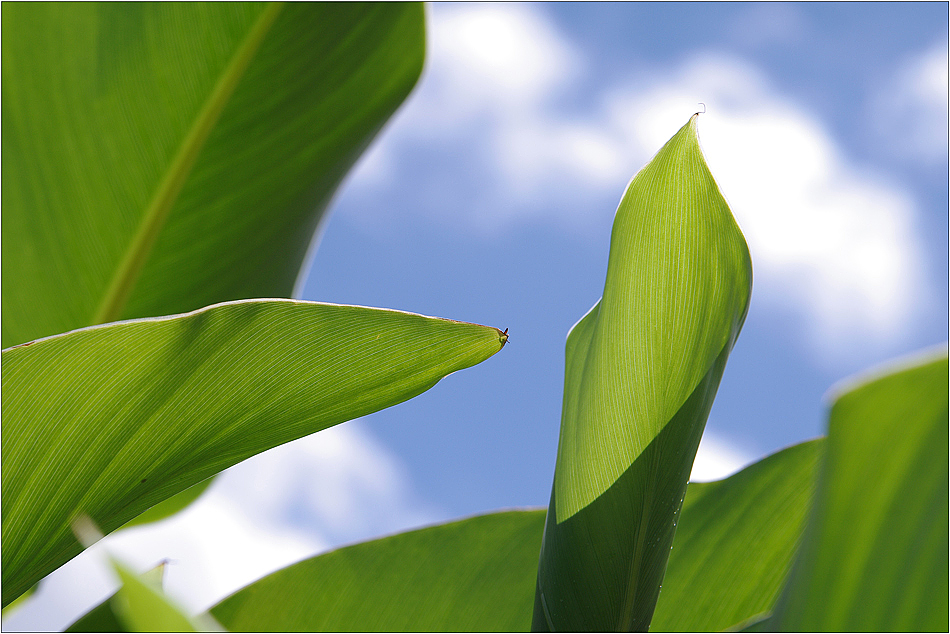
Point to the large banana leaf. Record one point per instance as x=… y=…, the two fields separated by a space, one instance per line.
x=109 y=420
x=734 y=543
x=472 y=575
x=642 y=369
x=874 y=555
x=161 y=157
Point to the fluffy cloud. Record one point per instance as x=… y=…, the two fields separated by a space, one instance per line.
x=717 y=459
x=833 y=242
x=910 y=112
x=486 y=103
x=266 y=513
x=828 y=239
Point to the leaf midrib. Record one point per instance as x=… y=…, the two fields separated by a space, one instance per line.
x=156 y=214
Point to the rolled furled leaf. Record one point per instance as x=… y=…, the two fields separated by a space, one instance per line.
x=642 y=369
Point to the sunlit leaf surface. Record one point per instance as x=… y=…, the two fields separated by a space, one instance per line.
x=642 y=369
x=109 y=420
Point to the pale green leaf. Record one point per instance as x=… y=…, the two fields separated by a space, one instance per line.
x=109 y=420
x=103 y=617
x=642 y=370
x=13 y=606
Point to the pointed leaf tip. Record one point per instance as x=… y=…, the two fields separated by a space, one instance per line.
x=678 y=284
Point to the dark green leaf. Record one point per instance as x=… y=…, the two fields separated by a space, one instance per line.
x=734 y=543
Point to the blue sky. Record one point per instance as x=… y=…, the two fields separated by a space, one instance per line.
x=489 y=198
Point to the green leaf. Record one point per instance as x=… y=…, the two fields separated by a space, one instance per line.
x=472 y=575
x=734 y=542
x=748 y=523
x=128 y=609
x=168 y=507
x=642 y=369
x=161 y=157
x=758 y=623
x=18 y=602
x=103 y=617
x=469 y=575
x=110 y=420
x=874 y=556
x=141 y=606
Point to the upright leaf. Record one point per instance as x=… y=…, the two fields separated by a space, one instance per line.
x=875 y=552
x=161 y=157
x=642 y=368
x=109 y=420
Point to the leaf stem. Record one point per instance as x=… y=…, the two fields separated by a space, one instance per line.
x=127 y=273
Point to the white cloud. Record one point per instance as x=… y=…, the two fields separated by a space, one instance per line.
x=487 y=95
x=833 y=243
x=501 y=57
x=827 y=239
x=910 y=112
x=266 y=513
x=717 y=459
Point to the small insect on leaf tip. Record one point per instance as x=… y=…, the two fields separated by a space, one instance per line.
x=504 y=337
